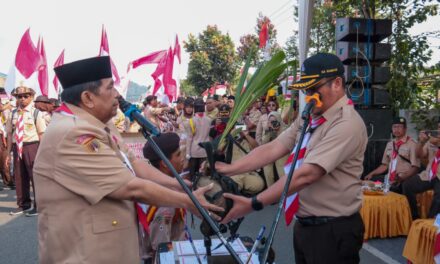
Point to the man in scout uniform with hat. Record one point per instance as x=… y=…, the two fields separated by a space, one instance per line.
x=428 y=147
x=165 y=224
x=326 y=179
x=24 y=127
x=211 y=107
x=399 y=158
x=43 y=104
x=88 y=183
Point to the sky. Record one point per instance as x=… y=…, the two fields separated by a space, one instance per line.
x=138 y=27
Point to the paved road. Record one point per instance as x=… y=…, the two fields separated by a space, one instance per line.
x=18 y=233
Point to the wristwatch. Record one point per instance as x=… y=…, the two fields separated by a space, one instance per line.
x=256 y=205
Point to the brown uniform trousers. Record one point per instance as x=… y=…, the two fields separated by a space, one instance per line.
x=23 y=173
x=5 y=168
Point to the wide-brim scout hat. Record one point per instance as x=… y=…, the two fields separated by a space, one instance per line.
x=316 y=68
x=84 y=71
x=22 y=90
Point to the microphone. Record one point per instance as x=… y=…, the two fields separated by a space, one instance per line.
x=312 y=101
x=133 y=113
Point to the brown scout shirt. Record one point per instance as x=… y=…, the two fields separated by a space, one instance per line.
x=213 y=114
x=254 y=117
x=77 y=165
x=32 y=127
x=202 y=126
x=407 y=150
x=338 y=147
x=432 y=150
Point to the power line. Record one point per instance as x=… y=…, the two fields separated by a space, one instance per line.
x=273 y=13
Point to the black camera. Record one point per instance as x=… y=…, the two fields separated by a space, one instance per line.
x=275 y=123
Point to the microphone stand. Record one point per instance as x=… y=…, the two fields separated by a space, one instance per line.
x=130 y=110
x=306 y=117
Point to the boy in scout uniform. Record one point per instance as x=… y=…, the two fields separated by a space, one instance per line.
x=25 y=127
x=328 y=181
x=166 y=224
x=428 y=147
x=87 y=181
x=399 y=158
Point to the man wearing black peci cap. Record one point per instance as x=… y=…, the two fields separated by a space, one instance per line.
x=399 y=158
x=87 y=179
x=327 y=177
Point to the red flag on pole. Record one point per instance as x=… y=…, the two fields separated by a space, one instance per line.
x=154 y=57
x=264 y=35
x=27 y=58
x=104 y=50
x=160 y=69
x=176 y=51
x=169 y=83
x=58 y=62
x=43 y=77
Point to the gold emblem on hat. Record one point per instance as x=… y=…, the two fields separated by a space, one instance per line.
x=114 y=222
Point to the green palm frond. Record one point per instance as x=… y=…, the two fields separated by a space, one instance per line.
x=264 y=77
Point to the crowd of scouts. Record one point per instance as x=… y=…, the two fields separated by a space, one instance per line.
x=83 y=165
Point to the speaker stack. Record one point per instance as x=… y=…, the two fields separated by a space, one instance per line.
x=361 y=48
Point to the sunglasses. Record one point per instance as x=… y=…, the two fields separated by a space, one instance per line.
x=25 y=96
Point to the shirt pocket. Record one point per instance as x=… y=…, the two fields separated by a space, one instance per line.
x=104 y=222
x=404 y=152
x=29 y=124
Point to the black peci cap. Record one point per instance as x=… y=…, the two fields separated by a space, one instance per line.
x=167 y=142
x=399 y=120
x=83 y=71
x=316 y=68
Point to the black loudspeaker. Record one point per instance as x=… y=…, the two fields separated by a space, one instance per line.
x=381 y=74
x=378 y=123
x=347 y=52
x=359 y=29
x=352 y=72
x=381 y=97
x=382 y=52
x=373 y=155
x=360 y=97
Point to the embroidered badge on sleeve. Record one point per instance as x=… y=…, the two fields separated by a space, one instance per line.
x=89 y=142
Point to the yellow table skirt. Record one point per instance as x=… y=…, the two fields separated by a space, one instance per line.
x=419 y=246
x=385 y=215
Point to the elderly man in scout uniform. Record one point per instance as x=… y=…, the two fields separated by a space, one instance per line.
x=399 y=158
x=87 y=181
x=428 y=147
x=327 y=177
x=5 y=111
x=25 y=127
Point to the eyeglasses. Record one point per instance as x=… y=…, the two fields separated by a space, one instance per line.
x=313 y=90
x=271 y=105
x=25 y=96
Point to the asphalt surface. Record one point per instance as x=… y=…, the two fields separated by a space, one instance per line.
x=19 y=243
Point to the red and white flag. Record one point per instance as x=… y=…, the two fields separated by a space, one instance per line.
x=27 y=58
x=104 y=50
x=43 y=76
x=264 y=35
x=58 y=62
x=291 y=204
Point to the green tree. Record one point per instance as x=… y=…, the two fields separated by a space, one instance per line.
x=212 y=59
x=291 y=47
x=187 y=89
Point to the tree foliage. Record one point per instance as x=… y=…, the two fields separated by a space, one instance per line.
x=212 y=59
